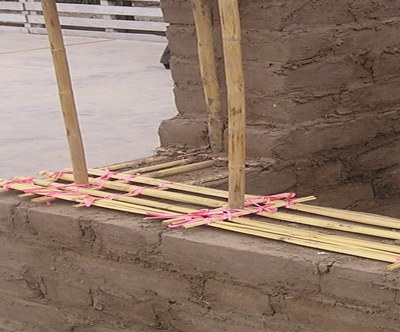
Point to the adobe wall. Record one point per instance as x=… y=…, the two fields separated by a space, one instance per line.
x=323 y=96
x=90 y=270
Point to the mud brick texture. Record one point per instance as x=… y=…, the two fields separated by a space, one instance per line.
x=322 y=86
x=91 y=270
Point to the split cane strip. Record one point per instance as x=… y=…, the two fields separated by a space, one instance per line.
x=182 y=169
x=331 y=223
x=359 y=217
x=137 y=163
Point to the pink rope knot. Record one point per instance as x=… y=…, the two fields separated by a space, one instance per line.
x=290 y=201
x=256 y=205
x=206 y=216
x=57 y=175
x=98 y=184
x=7 y=185
x=107 y=174
x=136 y=191
x=264 y=203
x=128 y=178
x=88 y=201
x=267 y=207
x=111 y=196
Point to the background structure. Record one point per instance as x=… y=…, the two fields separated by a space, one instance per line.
x=322 y=86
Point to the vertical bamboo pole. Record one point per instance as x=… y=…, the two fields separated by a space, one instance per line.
x=65 y=91
x=208 y=68
x=231 y=37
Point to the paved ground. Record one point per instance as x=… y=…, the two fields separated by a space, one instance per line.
x=122 y=94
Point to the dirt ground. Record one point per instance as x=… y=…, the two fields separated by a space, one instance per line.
x=122 y=94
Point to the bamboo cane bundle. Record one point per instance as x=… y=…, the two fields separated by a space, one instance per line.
x=340 y=244
x=331 y=223
x=243 y=212
x=314 y=235
x=162 y=194
x=336 y=223
x=349 y=250
x=309 y=219
x=117 y=197
x=105 y=202
x=306 y=234
x=165 y=183
x=143 y=179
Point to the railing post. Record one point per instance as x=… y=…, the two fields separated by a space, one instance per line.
x=107 y=17
x=28 y=13
x=25 y=12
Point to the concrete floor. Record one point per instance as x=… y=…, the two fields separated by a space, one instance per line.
x=122 y=94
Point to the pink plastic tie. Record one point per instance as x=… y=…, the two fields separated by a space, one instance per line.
x=128 y=178
x=88 y=202
x=256 y=205
x=111 y=196
x=107 y=174
x=7 y=185
x=57 y=175
x=267 y=207
x=98 y=184
x=263 y=203
x=136 y=191
x=204 y=215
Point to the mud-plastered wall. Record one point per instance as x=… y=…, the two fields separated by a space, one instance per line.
x=323 y=96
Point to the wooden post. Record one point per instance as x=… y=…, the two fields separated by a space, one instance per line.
x=208 y=69
x=65 y=91
x=231 y=36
